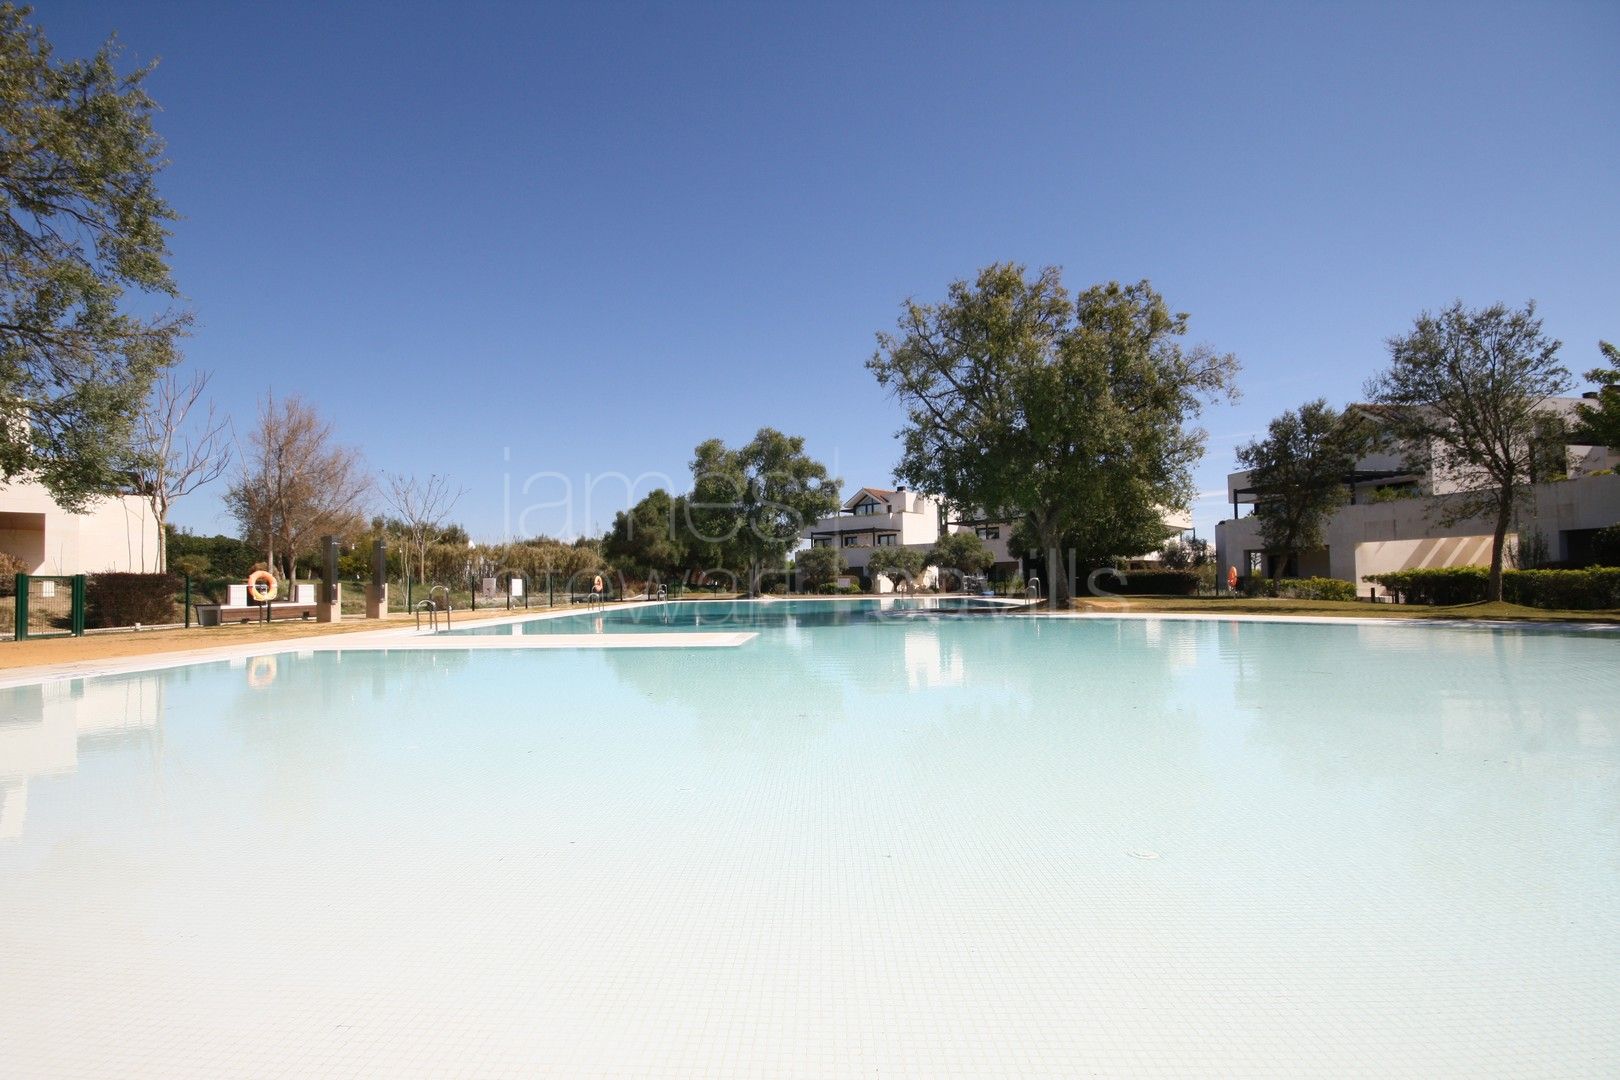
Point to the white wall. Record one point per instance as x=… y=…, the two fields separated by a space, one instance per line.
x=1380 y=537
x=117 y=533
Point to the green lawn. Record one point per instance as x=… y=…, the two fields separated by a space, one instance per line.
x=1220 y=605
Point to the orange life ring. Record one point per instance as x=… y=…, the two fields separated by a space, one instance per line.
x=1231 y=578
x=261 y=585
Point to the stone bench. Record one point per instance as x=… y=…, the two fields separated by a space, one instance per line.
x=237 y=608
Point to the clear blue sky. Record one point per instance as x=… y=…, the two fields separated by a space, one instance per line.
x=666 y=223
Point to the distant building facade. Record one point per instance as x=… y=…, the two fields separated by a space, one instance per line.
x=1396 y=503
x=874 y=518
x=115 y=533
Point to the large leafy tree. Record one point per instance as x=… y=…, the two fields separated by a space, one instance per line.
x=749 y=505
x=1069 y=417
x=646 y=539
x=1468 y=387
x=1298 y=472
x=82 y=227
x=1600 y=421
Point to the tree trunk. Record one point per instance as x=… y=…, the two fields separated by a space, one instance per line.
x=1504 y=516
x=1057 y=579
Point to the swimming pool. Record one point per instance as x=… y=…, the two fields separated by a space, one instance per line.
x=863 y=842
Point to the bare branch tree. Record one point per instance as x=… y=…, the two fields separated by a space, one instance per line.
x=296 y=483
x=422 y=506
x=175 y=456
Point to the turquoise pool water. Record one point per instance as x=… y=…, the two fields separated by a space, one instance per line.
x=744 y=615
x=861 y=844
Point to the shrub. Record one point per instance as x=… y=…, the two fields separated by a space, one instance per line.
x=1147 y=583
x=1318 y=588
x=1439 y=585
x=226 y=555
x=1593 y=589
x=127 y=599
x=818 y=567
x=10 y=567
x=1311 y=588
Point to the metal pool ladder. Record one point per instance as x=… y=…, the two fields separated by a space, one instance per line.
x=431 y=606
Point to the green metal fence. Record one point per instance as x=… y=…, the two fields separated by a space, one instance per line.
x=48 y=606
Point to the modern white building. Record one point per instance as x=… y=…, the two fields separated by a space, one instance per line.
x=880 y=517
x=875 y=518
x=115 y=533
x=1396 y=509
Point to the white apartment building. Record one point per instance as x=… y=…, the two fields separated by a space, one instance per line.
x=1374 y=533
x=115 y=533
x=881 y=517
x=874 y=518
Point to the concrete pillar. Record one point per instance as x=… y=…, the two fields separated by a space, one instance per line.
x=377 y=601
x=329 y=601
x=329 y=610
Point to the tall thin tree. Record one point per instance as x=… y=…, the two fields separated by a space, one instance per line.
x=295 y=482
x=1467 y=390
x=174 y=453
x=422 y=507
x=1298 y=472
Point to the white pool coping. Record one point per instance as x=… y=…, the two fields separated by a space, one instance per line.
x=385 y=639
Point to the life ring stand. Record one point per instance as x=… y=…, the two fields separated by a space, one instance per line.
x=262 y=586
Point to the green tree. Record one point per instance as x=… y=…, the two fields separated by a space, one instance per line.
x=1069 y=417
x=818 y=566
x=81 y=226
x=898 y=564
x=1600 y=422
x=749 y=505
x=1298 y=472
x=646 y=539
x=1468 y=388
x=960 y=555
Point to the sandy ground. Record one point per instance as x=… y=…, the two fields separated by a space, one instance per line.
x=66 y=650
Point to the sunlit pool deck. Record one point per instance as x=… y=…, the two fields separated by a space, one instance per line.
x=821 y=838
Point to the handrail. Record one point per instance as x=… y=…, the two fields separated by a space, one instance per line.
x=448 y=606
x=433 y=615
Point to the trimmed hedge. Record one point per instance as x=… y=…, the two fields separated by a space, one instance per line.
x=1442 y=585
x=1596 y=588
x=1144 y=583
x=1593 y=589
x=126 y=599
